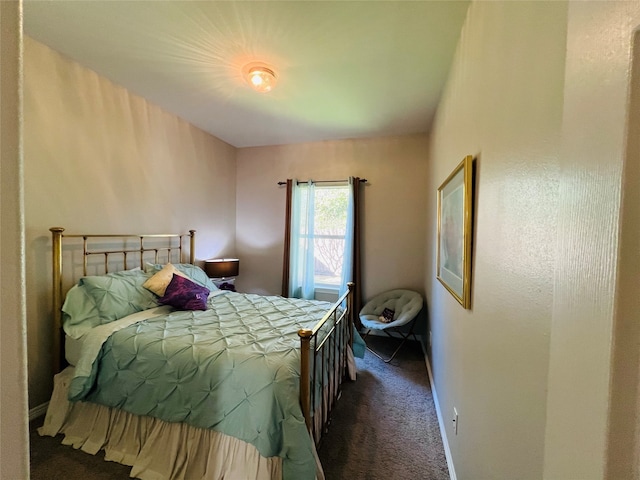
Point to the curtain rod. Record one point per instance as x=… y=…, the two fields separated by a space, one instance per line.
x=325 y=181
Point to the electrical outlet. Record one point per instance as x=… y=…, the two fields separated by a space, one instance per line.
x=455 y=421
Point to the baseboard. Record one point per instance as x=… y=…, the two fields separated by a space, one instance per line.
x=38 y=411
x=443 y=431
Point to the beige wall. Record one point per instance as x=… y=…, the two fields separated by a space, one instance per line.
x=99 y=159
x=592 y=411
x=14 y=444
x=502 y=104
x=394 y=200
x=623 y=459
x=544 y=369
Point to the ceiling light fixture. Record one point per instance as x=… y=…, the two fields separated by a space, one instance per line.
x=260 y=77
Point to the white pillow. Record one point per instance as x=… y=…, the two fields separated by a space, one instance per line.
x=160 y=280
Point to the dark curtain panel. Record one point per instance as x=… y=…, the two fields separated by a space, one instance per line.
x=287 y=241
x=357 y=271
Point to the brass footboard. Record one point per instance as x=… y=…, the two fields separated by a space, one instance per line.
x=323 y=363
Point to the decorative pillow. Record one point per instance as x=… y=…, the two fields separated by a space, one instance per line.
x=183 y=294
x=387 y=315
x=79 y=312
x=160 y=280
x=192 y=272
x=119 y=294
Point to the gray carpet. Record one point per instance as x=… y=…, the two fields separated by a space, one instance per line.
x=50 y=460
x=384 y=427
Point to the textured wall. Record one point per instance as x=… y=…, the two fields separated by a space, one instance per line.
x=14 y=443
x=502 y=104
x=394 y=203
x=596 y=308
x=624 y=426
x=99 y=159
x=544 y=369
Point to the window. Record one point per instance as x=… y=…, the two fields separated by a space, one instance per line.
x=330 y=226
x=320 y=233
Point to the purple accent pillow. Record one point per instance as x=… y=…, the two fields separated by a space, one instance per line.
x=184 y=294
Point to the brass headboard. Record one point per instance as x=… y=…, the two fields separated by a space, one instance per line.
x=141 y=251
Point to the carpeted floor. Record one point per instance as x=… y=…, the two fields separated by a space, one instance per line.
x=50 y=460
x=384 y=427
x=385 y=424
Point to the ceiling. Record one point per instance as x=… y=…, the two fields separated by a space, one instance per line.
x=346 y=69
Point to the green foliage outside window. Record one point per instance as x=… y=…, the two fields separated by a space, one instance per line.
x=330 y=222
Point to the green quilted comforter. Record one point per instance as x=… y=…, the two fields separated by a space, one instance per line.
x=233 y=368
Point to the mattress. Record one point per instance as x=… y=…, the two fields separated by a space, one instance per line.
x=72 y=349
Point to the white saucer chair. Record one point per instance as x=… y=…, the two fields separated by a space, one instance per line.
x=405 y=304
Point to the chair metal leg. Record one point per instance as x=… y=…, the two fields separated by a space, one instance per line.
x=404 y=339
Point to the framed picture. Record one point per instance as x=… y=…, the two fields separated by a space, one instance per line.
x=455 y=211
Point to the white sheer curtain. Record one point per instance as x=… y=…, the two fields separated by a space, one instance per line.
x=302 y=255
x=298 y=276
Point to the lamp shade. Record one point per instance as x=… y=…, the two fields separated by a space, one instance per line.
x=222 y=267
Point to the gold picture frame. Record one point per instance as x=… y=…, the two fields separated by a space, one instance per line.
x=455 y=212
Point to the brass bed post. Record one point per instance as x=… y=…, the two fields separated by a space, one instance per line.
x=350 y=313
x=85 y=258
x=305 y=387
x=56 y=234
x=142 y=253
x=192 y=247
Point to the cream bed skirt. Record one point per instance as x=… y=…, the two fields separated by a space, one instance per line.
x=156 y=450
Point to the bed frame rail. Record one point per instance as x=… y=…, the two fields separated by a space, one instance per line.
x=323 y=363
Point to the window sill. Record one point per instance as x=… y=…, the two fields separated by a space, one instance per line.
x=327 y=294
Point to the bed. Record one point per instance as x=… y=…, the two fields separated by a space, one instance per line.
x=180 y=380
